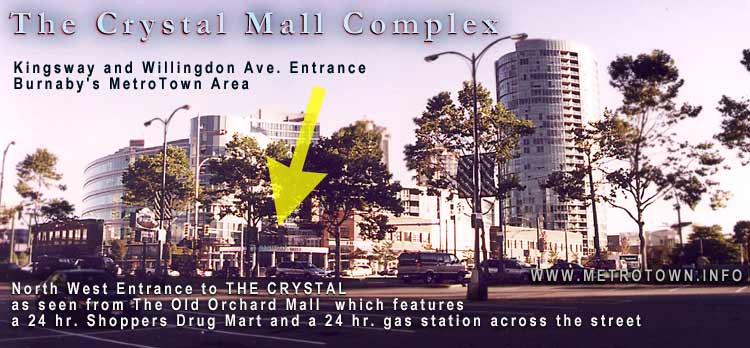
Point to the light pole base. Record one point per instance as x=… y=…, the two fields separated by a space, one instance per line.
x=477 y=289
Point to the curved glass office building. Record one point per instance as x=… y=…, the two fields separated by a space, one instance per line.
x=103 y=190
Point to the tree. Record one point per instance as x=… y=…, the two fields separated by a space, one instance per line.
x=242 y=186
x=579 y=183
x=37 y=173
x=742 y=236
x=509 y=130
x=445 y=130
x=710 y=242
x=357 y=181
x=142 y=180
x=574 y=258
x=171 y=251
x=659 y=255
x=7 y=214
x=624 y=244
x=649 y=84
x=692 y=167
x=569 y=186
x=375 y=226
x=553 y=257
x=468 y=256
x=384 y=251
x=119 y=249
x=57 y=210
x=735 y=125
x=22 y=259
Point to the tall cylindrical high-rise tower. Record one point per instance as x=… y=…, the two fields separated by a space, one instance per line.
x=554 y=84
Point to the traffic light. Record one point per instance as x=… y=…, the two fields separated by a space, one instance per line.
x=186 y=229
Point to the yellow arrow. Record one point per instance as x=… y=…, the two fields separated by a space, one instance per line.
x=290 y=184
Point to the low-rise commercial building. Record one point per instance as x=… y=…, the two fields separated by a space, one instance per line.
x=411 y=234
x=521 y=243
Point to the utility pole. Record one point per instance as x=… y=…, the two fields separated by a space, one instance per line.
x=454 y=214
x=566 y=244
x=446 y=236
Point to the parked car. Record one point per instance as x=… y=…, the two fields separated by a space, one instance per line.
x=29 y=269
x=360 y=271
x=389 y=272
x=204 y=273
x=89 y=277
x=99 y=262
x=430 y=267
x=151 y=272
x=227 y=272
x=11 y=272
x=46 y=265
x=508 y=270
x=577 y=269
x=298 y=269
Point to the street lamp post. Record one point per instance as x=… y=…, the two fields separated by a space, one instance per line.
x=13 y=214
x=2 y=170
x=162 y=197
x=197 y=204
x=477 y=289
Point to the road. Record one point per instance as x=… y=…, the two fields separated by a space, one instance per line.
x=670 y=316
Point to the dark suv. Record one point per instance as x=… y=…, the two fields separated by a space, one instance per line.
x=46 y=265
x=430 y=267
x=507 y=270
x=11 y=272
x=578 y=272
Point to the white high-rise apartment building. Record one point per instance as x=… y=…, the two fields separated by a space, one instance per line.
x=385 y=140
x=554 y=84
x=281 y=126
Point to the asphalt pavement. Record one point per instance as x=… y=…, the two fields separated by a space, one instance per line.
x=633 y=315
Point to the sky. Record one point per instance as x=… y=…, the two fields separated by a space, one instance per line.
x=705 y=39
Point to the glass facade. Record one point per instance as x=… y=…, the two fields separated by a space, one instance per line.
x=285 y=127
x=554 y=84
x=103 y=189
